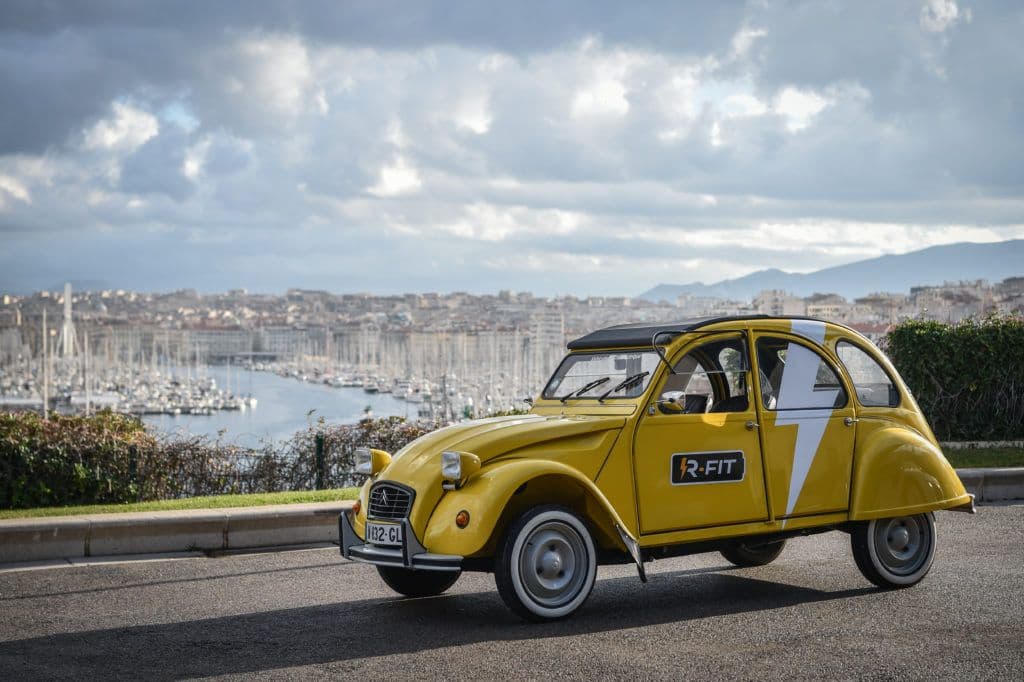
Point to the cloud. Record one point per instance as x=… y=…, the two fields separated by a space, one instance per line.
x=939 y=15
x=126 y=130
x=798 y=107
x=557 y=146
x=12 y=188
x=396 y=179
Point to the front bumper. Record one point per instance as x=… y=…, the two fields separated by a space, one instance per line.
x=410 y=555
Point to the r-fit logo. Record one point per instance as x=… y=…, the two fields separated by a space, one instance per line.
x=707 y=467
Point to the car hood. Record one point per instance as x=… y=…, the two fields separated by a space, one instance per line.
x=495 y=437
x=418 y=465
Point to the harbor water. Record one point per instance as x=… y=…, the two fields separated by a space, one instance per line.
x=283 y=407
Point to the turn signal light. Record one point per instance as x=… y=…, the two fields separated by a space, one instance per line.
x=462 y=519
x=356 y=507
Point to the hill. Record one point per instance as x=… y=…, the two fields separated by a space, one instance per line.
x=895 y=273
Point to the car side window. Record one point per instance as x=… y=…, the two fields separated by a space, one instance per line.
x=795 y=377
x=710 y=378
x=872 y=383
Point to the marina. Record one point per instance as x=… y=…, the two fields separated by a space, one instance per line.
x=232 y=386
x=284 y=407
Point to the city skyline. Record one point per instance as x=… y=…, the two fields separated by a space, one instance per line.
x=590 y=149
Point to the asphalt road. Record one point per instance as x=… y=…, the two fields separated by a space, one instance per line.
x=809 y=615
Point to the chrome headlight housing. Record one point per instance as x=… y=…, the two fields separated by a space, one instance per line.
x=456 y=467
x=364 y=461
x=369 y=461
x=451 y=466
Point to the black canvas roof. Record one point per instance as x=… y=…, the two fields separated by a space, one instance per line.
x=641 y=333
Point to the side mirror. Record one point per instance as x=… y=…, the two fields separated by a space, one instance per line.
x=677 y=402
x=528 y=400
x=672 y=402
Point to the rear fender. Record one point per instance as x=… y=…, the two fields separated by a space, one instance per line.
x=898 y=472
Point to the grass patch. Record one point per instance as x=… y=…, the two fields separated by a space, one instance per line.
x=212 y=502
x=985 y=457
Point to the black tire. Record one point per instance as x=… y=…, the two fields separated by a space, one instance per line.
x=546 y=565
x=894 y=553
x=752 y=553
x=412 y=583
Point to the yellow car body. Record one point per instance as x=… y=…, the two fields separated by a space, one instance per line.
x=652 y=477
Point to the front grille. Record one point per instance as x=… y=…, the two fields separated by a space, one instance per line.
x=389 y=501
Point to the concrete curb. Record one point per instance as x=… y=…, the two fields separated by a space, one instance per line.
x=52 y=537
x=994 y=485
x=36 y=539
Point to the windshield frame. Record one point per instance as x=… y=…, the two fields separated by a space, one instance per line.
x=550 y=393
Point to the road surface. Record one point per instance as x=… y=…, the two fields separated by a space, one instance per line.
x=301 y=614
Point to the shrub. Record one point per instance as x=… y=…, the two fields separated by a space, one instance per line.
x=110 y=458
x=967 y=377
x=68 y=460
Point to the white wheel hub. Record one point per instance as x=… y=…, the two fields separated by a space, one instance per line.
x=553 y=564
x=902 y=548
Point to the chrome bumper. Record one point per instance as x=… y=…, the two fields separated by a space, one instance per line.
x=969 y=507
x=410 y=555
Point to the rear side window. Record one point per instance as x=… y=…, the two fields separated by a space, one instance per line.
x=873 y=385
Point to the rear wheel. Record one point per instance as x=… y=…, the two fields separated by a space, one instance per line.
x=753 y=553
x=896 y=552
x=412 y=583
x=547 y=564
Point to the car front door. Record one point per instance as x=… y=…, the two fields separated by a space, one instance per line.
x=697 y=454
x=806 y=420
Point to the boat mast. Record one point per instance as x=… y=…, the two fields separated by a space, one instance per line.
x=85 y=371
x=46 y=377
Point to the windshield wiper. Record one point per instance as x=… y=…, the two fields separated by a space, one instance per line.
x=580 y=391
x=628 y=381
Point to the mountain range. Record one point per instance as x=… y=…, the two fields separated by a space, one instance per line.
x=895 y=273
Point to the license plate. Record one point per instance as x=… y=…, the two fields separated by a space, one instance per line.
x=383 y=533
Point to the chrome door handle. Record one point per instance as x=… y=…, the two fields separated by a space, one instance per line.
x=850 y=421
x=751 y=425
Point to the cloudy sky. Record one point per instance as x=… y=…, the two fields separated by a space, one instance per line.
x=558 y=147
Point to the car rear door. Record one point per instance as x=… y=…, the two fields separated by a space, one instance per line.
x=807 y=422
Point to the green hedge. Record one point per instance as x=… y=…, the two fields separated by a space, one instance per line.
x=68 y=460
x=968 y=377
x=110 y=458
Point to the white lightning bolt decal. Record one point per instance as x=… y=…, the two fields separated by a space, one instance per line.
x=797 y=391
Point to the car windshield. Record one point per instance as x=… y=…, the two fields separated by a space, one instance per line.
x=580 y=369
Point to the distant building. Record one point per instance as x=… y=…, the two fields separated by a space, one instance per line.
x=778 y=303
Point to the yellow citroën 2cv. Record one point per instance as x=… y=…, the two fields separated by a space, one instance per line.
x=659 y=440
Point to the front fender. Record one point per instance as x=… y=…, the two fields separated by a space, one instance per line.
x=899 y=472
x=488 y=497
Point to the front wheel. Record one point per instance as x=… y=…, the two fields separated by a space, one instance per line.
x=547 y=564
x=412 y=583
x=896 y=552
